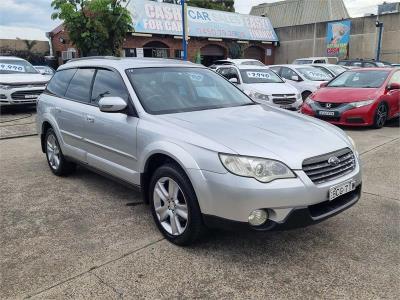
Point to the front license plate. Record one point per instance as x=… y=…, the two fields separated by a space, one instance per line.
x=341 y=189
x=326 y=113
x=31 y=96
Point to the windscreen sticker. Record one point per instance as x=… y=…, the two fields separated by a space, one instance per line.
x=196 y=77
x=11 y=67
x=316 y=74
x=261 y=75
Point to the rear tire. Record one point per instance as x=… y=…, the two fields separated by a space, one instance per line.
x=381 y=115
x=55 y=158
x=174 y=205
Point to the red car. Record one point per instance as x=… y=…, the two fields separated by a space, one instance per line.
x=357 y=97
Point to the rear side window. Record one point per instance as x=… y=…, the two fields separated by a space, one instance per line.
x=108 y=84
x=79 y=87
x=59 y=83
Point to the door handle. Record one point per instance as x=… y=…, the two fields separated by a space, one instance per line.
x=90 y=119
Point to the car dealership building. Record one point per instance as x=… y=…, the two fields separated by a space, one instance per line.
x=212 y=34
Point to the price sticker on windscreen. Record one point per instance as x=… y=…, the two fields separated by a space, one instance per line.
x=316 y=74
x=261 y=75
x=11 y=67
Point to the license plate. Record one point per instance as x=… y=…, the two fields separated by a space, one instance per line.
x=341 y=189
x=326 y=113
x=31 y=96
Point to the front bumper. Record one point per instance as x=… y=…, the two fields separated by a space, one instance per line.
x=230 y=197
x=344 y=115
x=20 y=96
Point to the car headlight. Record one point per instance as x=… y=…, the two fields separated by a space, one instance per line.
x=352 y=142
x=361 y=103
x=309 y=101
x=261 y=169
x=298 y=96
x=257 y=96
x=5 y=87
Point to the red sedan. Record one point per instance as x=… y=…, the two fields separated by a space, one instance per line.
x=357 y=97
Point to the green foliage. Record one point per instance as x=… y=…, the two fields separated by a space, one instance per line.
x=94 y=26
x=226 y=5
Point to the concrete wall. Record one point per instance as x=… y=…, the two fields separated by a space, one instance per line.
x=309 y=40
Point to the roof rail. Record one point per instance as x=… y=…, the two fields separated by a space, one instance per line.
x=93 y=57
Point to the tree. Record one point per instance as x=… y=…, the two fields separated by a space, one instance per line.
x=95 y=27
x=226 y=5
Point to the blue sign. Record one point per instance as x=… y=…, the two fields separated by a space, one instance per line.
x=163 y=18
x=338 y=38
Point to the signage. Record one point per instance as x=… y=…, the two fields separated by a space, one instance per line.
x=139 y=52
x=337 y=38
x=12 y=67
x=163 y=18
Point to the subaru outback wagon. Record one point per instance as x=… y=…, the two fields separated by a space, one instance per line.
x=202 y=152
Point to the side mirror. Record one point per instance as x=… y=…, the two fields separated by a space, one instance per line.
x=112 y=104
x=393 y=86
x=324 y=84
x=234 y=80
x=295 y=78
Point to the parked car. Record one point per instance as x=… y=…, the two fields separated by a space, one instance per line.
x=20 y=82
x=262 y=85
x=330 y=69
x=358 y=97
x=230 y=61
x=363 y=63
x=203 y=153
x=306 y=79
x=315 y=60
x=45 y=70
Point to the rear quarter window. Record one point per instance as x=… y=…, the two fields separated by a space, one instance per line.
x=60 y=81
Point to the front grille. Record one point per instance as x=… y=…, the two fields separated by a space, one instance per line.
x=329 y=118
x=283 y=99
x=26 y=95
x=319 y=170
x=329 y=105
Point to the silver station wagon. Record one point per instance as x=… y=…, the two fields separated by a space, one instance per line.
x=202 y=152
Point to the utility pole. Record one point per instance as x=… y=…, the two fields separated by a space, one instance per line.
x=379 y=25
x=184 y=29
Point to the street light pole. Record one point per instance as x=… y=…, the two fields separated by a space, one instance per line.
x=379 y=25
x=184 y=29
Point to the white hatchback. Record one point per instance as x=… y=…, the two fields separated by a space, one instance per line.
x=306 y=79
x=262 y=85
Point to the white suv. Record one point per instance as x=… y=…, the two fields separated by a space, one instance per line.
x=20 y=82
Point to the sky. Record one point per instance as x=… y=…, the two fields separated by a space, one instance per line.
x=35 y=15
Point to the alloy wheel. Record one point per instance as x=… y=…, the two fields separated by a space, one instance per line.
x=53 y=152
x=170 y=206
x=381 y=115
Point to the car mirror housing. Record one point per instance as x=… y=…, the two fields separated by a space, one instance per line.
x=112 y=104
x=295 y=78
x=393 y=86
x=234 y=80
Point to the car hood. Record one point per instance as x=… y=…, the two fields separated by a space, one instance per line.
x=344 y=95
x=262 y=131
x=271 y=88
x=24 y=78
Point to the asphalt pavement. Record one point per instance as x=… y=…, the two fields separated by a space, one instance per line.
x=86 y=237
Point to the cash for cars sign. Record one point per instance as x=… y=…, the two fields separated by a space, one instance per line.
x=337 y=38
x=163 y=18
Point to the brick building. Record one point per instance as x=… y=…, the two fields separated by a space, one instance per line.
x=212 y=34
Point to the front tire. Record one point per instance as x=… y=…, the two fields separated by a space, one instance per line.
x=381 y=115
x=174 y=205
x=55 y=158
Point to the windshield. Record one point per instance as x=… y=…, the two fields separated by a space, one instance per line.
x=337 y=69
x=260 y=76
x=360 y=79
x=174 y=90
x=303 y=61
x=11 y=66
x=313 y=74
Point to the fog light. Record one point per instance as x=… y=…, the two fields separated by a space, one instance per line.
x=258 y=217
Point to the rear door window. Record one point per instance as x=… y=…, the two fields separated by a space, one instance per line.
x=59 y=83
x=108 y=84
x=79 y=87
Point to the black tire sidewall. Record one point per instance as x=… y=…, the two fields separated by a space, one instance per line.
x=375 y=125
x=194 y=222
